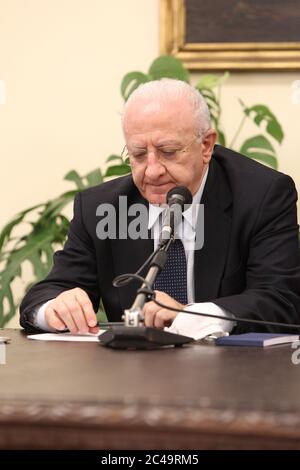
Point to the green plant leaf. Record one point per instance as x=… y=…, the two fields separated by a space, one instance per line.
x=169 y=67
x=94 y=178
x=208 y=81
x=6 y=231
x=55 y=206
x=260 y=148
x=259 y=141
x=275 y=130
x=212 y=103
x=130 y=82
x=35 y=247
x=113 y=158
x=28 y=252
x=262 y=114
x=221 y=138
x=35 y=244
x=74 y=176
x=118 y=170
x=4 y=318
x=265 y=158
x=215 y=112
x=49 y=252
x=39 y=268
x=210 y=96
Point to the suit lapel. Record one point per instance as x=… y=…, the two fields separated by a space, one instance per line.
x=209 y=262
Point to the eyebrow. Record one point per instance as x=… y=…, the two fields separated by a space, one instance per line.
x=160 y=144
x=169 y=142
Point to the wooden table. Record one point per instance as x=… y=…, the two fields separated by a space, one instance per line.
x=56 y=395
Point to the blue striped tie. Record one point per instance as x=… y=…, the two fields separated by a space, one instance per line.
x=173 y=278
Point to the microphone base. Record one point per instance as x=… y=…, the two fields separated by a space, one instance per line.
x=140 y=337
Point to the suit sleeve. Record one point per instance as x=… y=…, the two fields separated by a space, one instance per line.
x=74 y=266
x=272 y=290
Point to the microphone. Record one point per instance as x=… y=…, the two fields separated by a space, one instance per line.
x=177 y=198
x=134 y=334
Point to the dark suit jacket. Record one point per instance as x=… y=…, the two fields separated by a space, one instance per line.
x=249 y=264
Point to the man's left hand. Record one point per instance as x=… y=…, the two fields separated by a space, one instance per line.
x=158 y=317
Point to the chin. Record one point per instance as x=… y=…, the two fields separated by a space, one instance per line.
x=156 y=198
x=159 y=194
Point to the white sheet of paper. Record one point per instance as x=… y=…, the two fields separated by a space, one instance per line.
x=88 y=337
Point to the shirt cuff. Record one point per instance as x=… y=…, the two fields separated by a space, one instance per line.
x=198 y=327
x=40 y=320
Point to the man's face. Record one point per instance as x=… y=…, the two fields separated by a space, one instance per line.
x=163 y=148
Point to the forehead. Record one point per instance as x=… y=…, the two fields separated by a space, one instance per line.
x=146 y=116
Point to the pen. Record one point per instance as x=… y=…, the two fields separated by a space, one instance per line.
x=109 y=324
x=102 y=325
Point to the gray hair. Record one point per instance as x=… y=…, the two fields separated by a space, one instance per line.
x=168 y=89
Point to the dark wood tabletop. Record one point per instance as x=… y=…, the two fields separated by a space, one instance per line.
x=59 y=395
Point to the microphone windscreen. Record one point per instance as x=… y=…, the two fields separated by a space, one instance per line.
x=179 y=194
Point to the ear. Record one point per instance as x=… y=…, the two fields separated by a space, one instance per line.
x=208 y=144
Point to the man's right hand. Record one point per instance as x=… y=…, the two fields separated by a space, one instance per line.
x=72 y=309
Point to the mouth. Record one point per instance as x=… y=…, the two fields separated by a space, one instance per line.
x=159 y=188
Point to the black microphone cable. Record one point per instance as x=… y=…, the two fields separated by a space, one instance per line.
x=117 y=282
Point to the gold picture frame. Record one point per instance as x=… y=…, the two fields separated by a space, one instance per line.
x=237 y=56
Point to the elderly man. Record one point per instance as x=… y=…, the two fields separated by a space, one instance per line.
x=248 y=265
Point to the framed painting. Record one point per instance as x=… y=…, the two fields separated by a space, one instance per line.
x=240 y=35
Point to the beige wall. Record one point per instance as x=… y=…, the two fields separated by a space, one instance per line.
x=62 y=62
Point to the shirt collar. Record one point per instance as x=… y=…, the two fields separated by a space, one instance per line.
x=156 y=210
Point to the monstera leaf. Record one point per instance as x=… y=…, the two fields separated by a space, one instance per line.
x=260 y=148
x=131 y=81
x=168 y=67
x=206 y=86
x=162 y=67
x=45 y=229
x=261 y=114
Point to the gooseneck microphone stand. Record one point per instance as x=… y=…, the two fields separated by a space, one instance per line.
x=133 y=334
x=133 y=315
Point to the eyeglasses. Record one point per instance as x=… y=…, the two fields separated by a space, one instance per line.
x=163 y=153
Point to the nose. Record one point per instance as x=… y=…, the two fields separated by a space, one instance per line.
x=154 y=168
